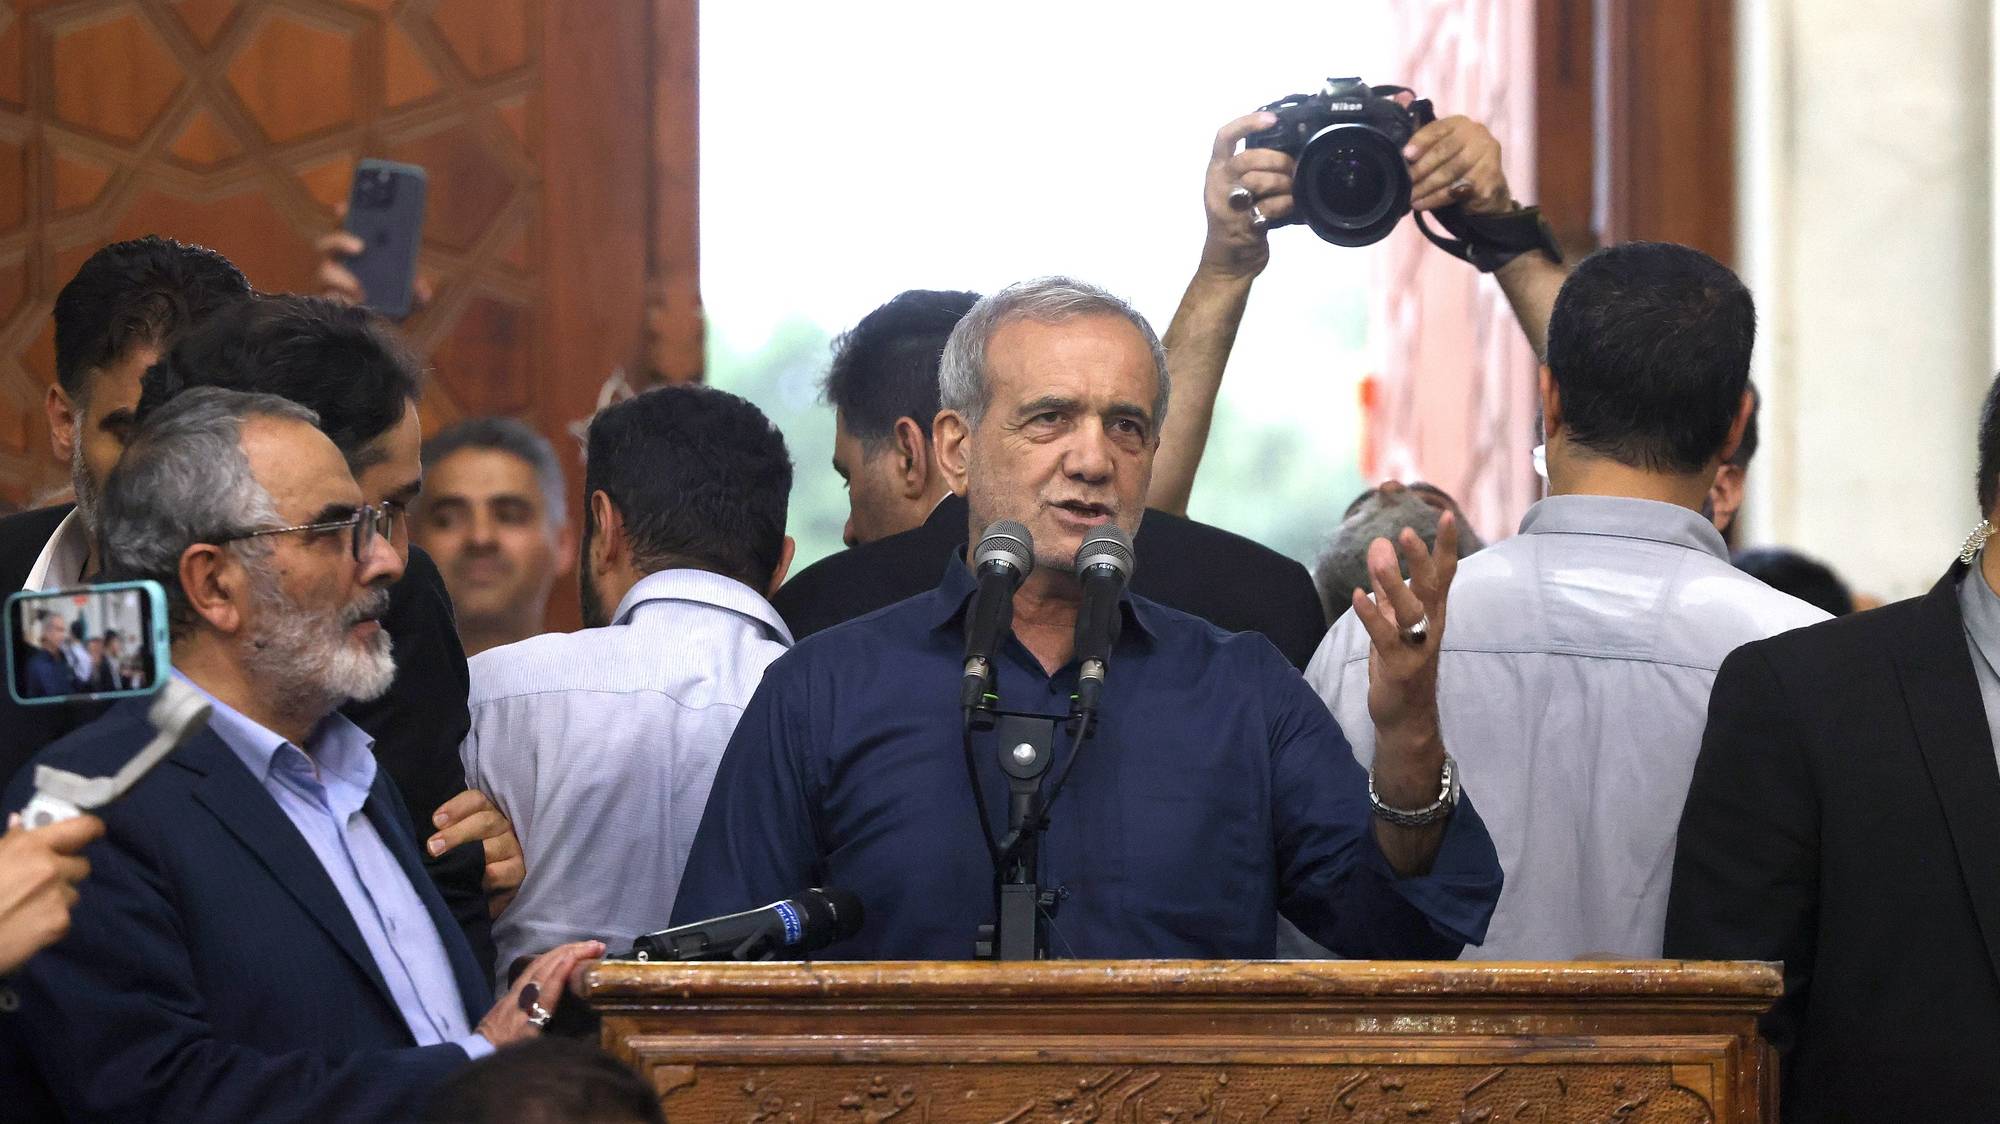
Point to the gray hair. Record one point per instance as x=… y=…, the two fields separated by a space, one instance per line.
x=962 y=385
x=517 y=439
x=183 y=480
x=1343 y=563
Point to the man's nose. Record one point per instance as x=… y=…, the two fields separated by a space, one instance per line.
x=485 y=529
x=847 y=536
x=1088 y=456
x=381 y=564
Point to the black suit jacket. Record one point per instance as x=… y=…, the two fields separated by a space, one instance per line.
x=1225 y=579
x=417 y=725
x=1845 y=818
x=212 y=971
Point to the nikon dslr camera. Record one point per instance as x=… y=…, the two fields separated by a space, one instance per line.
x=1352 y=185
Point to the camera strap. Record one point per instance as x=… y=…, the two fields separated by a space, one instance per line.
x=1491 y=241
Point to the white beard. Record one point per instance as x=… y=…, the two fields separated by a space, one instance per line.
x=308 y=656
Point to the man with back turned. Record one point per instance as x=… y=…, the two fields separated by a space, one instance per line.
x=1216 y=791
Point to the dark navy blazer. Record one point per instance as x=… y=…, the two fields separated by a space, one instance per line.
x=212 y=971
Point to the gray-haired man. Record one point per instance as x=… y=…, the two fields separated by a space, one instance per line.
x=258 y=940
x=1216 y=790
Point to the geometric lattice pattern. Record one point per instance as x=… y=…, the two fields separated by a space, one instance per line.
x=1455 y=401
x=236 y=124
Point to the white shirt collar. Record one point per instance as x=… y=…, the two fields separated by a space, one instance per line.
x=681 y=584
x=61 y=563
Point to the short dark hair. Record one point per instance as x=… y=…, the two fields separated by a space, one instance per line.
x=701 y=478
x=140 y=293
x=1989 y=449
x=545 y=1081
x=1649 y=345
x=342 y=362
x=515 y=438
x=1807 y=579
x=886 y=366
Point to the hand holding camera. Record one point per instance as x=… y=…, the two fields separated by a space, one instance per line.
x=1364 y=156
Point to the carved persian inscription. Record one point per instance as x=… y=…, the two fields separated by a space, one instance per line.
x=935 y=1093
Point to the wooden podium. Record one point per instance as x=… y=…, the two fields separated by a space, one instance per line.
x=1217 y=1042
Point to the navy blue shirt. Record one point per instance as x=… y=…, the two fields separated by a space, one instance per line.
x=1216 y=793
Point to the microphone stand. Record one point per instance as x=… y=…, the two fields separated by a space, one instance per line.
x=1026 y=747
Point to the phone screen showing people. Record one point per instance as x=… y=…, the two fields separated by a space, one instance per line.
x=91 y=642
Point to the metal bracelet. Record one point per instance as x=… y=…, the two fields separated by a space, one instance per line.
x=1422 y=817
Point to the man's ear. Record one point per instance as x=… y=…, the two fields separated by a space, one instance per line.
x=1725 y=496
x=913 y=459
x=1545 y=385
x=608 y=547
x=1743 y=413
x=65 y=422
x=784 y=565
x=953 y=438
x=217 y=586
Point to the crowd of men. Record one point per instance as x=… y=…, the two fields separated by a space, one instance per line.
x=365 y=887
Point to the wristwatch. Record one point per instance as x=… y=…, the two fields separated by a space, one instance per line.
x=1421 y=817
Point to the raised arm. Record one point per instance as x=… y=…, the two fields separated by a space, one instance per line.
x=1203 y=329
x=1457 y=160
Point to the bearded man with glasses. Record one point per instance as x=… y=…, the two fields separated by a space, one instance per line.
x=347 y=366
x=258 y=939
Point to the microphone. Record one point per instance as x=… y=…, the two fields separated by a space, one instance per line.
x=1002 y=561
x=1104 y=564
x=811 y=921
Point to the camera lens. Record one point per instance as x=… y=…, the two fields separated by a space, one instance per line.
x=1352 y=185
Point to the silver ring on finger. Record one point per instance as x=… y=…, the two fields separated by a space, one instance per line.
x=1460 y=188
x=538 y=1016
x=1240 y=197
x=1416 y=634
x=1257 y=220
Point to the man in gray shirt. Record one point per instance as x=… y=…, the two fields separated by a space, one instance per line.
x=1575 y=674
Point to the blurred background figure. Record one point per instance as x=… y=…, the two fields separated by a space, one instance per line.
x=494 y=518
x=1808 y=579
x=1381 y=512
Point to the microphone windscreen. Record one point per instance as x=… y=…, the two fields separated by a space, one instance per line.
x=1006 y=540
x=846 y=910
x=1107 y=545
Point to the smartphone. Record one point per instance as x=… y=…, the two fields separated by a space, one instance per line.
x=105 y=641
x=385 y=210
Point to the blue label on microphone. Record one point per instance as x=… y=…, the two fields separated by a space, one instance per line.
x=795 y=928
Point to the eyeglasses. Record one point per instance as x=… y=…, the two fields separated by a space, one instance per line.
x=367 y=522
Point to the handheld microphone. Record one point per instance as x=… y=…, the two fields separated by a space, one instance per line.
x=1002 y=561
x=1104 y=564
x=811 y=921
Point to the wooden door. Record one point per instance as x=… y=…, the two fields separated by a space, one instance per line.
x=558 y=138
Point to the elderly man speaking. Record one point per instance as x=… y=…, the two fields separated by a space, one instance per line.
x=1217 y=791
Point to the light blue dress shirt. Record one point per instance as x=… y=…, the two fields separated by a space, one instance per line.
x=601 y=745
x=321 y=789
x=1573 y=690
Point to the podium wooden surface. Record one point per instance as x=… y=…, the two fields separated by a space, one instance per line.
x=1219 y=1042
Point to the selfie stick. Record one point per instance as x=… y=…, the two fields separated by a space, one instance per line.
x=179 y=712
